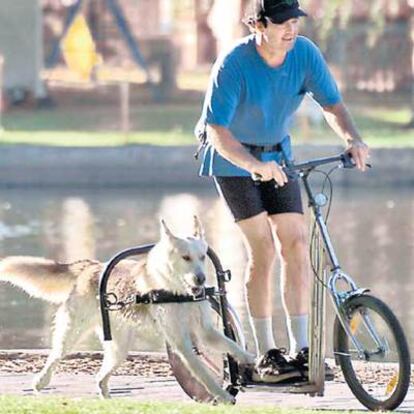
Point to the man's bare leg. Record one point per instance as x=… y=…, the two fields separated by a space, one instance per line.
x=291 y=231
x=258 y=239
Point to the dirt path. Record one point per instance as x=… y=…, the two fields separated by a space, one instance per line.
x=138 y=363
x=147 y=377
x=141 y=364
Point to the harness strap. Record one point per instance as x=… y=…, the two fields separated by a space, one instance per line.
x=164 y=296
x=155 y=297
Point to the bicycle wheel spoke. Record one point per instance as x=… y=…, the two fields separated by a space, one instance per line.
x=378 y=368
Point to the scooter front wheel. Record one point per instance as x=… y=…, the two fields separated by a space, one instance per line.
x=378 y=373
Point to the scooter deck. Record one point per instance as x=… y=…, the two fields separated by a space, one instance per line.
x=300 y=387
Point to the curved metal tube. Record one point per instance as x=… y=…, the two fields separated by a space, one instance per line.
x=103 y=283
x=336 y=277
x=222 y=277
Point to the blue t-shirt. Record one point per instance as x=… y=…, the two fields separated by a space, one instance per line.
x=256 y=102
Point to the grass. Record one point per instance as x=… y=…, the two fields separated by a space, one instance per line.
x=32 y=405
x=89 y=123
x=95 y=139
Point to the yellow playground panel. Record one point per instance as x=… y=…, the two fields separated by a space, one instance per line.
x=79 y=49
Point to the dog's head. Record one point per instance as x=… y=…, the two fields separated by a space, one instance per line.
x=178 y=264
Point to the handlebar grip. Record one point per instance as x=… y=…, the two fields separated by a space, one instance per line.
x=292 y=175
x=346 y=159
x=257 y=178
x=348 y=163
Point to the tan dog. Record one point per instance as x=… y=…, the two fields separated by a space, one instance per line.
x=174 y=264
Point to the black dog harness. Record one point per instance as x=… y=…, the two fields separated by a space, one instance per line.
x=155 y=297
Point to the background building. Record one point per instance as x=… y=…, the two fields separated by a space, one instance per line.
x=21 y=46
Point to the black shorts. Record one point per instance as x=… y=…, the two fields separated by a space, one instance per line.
x=246 y=198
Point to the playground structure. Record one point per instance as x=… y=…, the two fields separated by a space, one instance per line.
x=82 y=43
x=33 y=60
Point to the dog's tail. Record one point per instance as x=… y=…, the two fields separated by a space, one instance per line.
x=41 y=278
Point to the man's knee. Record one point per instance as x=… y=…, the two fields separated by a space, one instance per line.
x=293 y=241
x=259 y=267
x=259 y=243
x=261 y=256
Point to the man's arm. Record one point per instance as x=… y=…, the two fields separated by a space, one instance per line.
x=230 y=148
x=340 y=120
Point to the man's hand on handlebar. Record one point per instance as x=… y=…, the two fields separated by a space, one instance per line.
x=267 y=171
x=359 y=152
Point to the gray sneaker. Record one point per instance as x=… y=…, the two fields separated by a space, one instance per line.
x=273 y=367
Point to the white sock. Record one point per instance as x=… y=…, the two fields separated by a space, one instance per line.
x=263 y=335
x=298 y=332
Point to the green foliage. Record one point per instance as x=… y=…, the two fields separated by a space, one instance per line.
x=338 y=14
x=333 y=13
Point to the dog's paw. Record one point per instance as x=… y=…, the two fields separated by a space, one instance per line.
x=40 y=382
x=224 y=398
x=104 y=394
x=103 y=390
x=36 y=388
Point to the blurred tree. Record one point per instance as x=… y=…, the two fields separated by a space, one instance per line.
x=337 y=14
x=207 y=43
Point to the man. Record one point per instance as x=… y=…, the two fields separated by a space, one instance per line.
x=255 y=89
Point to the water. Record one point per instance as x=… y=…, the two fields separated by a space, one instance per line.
x=373 y=232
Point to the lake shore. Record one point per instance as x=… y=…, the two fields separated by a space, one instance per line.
x=147 y=165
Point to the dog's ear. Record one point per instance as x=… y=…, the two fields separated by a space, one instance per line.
x=198 y=228
x=166 y=233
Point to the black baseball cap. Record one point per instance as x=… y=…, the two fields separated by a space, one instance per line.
x=278 y=11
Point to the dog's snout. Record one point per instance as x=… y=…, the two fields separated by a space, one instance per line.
x=200 y=278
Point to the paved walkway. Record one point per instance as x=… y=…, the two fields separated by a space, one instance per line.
x=337 y=396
